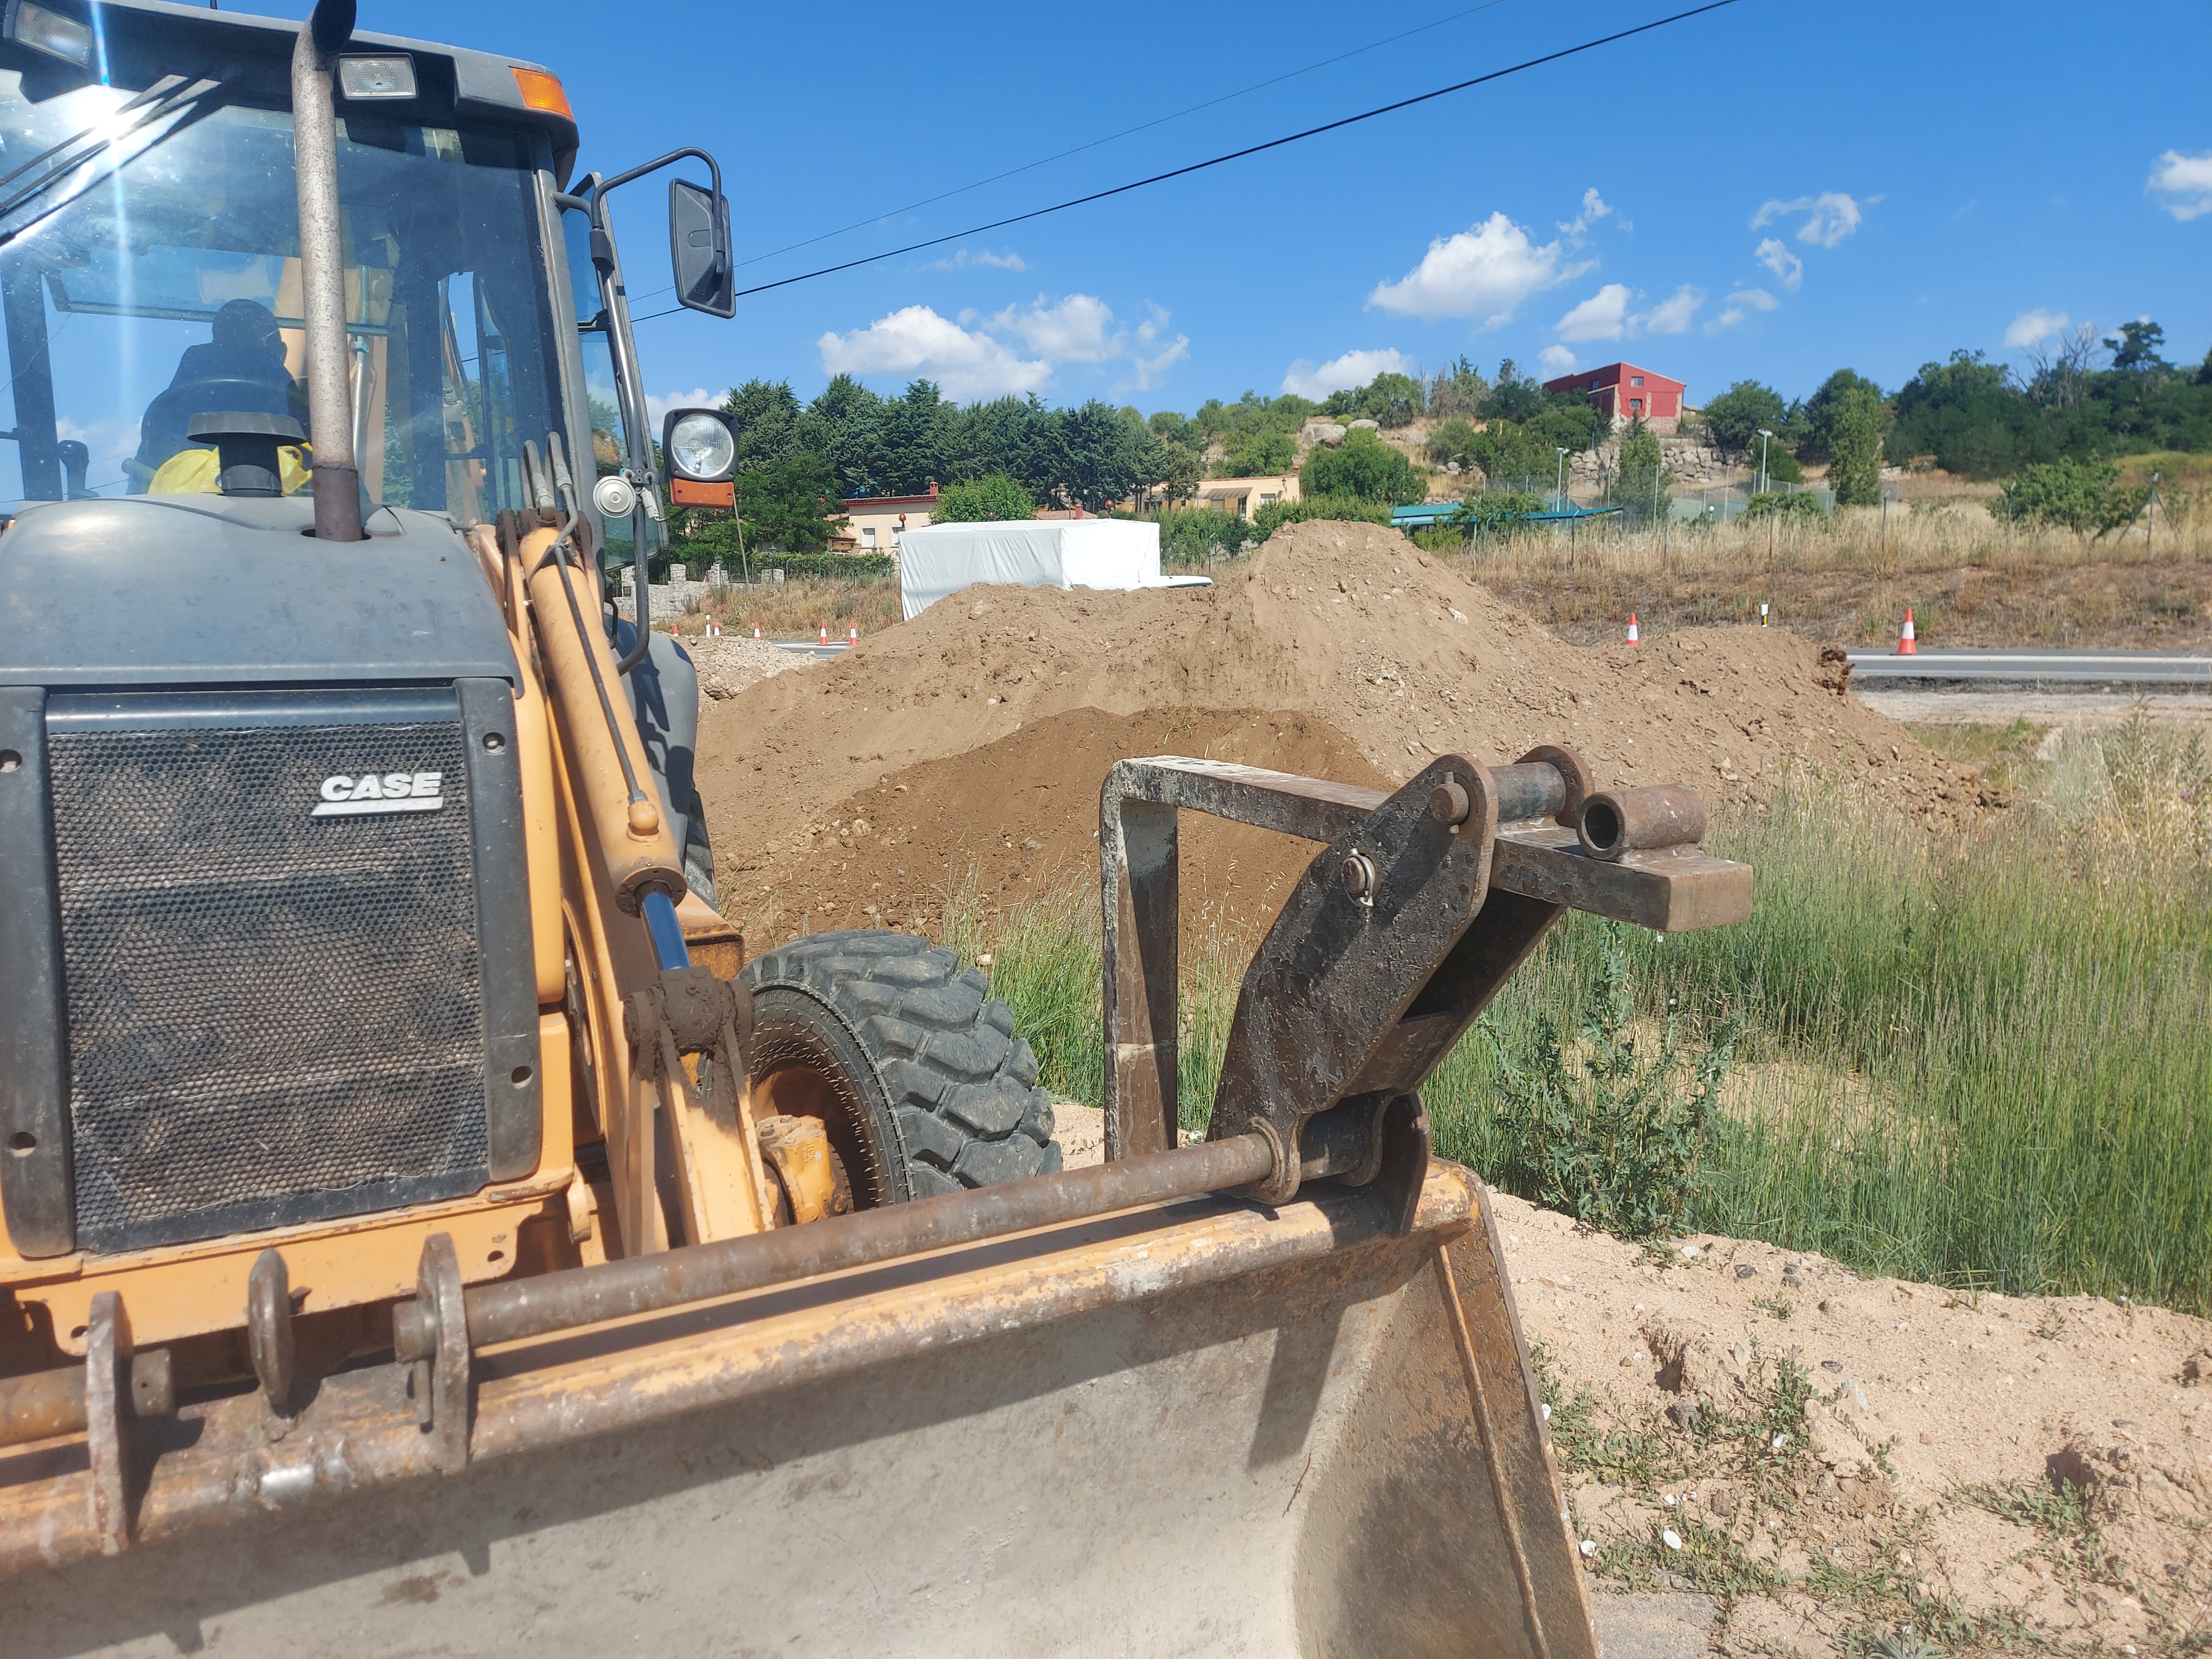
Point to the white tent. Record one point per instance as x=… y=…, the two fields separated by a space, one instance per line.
x=938 y=559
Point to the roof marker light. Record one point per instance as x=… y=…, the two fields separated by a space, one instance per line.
x=541 y=91
x=49 y=32
x=363 y=77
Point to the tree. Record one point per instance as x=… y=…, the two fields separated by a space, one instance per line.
x=1514 y=397
x=793 y=505
x=1094 y=454
x=910 y=441
x=1816 y=417
x=2136 y=348
x=1460 y=390
x=1735 y=416
x=1644 y=475
x=981 y=499
x=1365 y=467
x=1854 y=447
x=766 y=416
x=1260 y=450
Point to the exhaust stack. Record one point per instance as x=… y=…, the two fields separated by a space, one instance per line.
x=322 y=270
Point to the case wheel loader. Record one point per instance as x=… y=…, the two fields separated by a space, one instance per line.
x=424 y=1230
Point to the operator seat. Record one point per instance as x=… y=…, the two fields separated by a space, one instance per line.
x=240 y=370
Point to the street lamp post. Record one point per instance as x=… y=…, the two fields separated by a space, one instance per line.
x=1561 y=492
x=1764 y=434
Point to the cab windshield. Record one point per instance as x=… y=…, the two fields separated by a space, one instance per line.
x=161 y=282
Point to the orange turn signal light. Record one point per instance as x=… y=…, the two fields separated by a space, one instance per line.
x=687 y=492
x=543 y=92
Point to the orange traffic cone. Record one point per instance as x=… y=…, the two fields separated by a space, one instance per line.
x=853 y=637
x=1631 y=628
x=1906 y=648
x=825 y=633
x=756 y=631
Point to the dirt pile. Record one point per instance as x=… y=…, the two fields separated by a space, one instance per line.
x=2039 y=1464
x=1019 y=816
x=1349 y=624
x=728 y=663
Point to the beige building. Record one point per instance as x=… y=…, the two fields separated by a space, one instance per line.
x=874 y=522
x=1245 y=496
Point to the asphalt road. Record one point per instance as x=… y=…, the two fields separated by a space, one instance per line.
x=2039 y=670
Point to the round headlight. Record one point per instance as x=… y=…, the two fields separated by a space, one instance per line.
x=701 y=446
x=614 y=496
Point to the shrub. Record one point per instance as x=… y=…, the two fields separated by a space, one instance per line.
x=1454 y=441
x=2085 y=496
x=1203 y=535
x=994 y=498
x=1274 y=516
x=1365 y=467
x=1498 y=509
x=1774 y=504
x=1620 y=1146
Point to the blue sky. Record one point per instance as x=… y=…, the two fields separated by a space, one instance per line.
x=1768 y=191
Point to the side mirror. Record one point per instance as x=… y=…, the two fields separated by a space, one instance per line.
x=699 y=249
x=700 y=453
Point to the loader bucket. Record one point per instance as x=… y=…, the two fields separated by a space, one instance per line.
x=1194 y=1427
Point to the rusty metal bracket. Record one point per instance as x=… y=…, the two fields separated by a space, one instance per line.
x=440 y=1379
x=1426 y=901
x=269 y=1329
x=107 y=1414
x=1353 y=947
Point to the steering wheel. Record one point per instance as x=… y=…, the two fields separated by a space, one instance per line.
x=161 y=433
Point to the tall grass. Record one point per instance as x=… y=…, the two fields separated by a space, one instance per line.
x=1980 y=1062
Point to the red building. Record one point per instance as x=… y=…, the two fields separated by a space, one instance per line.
x=1623 y=391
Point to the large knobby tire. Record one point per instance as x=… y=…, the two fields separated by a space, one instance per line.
x=907 y=1057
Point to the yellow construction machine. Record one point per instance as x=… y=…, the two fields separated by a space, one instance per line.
x=424 y=1232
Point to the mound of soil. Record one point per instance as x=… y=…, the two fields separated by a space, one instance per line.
x=1019 y=816
x=1941 y=1428
x=1347 y=623
x=728 y=663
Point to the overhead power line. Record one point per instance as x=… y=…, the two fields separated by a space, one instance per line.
x=1220 y=161
x=1127 y=133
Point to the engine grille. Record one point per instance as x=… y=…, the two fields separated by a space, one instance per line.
x=274 y=1017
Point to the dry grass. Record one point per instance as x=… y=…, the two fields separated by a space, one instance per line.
x=797 y=609
x=1970 y=579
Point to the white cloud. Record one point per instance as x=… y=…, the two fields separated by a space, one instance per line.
x=1829 y=217
x=1593 y=208
x=1485 y=272
x=1079 y=330
x=1738 y=306
x=916 y=340
x=2187 y=178
x=1009 y=260
x=1606 y=316
x=1673 y=315
x=1556 y=358
x=1152 y=332
x=1339 y=374
x=657 y=406
x=1603 y=316
x=1789 y=270
x=2031 y=326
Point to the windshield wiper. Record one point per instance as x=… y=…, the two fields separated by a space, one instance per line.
x=163 y=99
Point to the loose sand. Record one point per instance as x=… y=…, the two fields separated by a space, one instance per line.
x=1383 y=655
x=1973 y=1401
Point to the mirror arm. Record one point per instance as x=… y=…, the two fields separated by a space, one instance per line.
x=614 y=300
